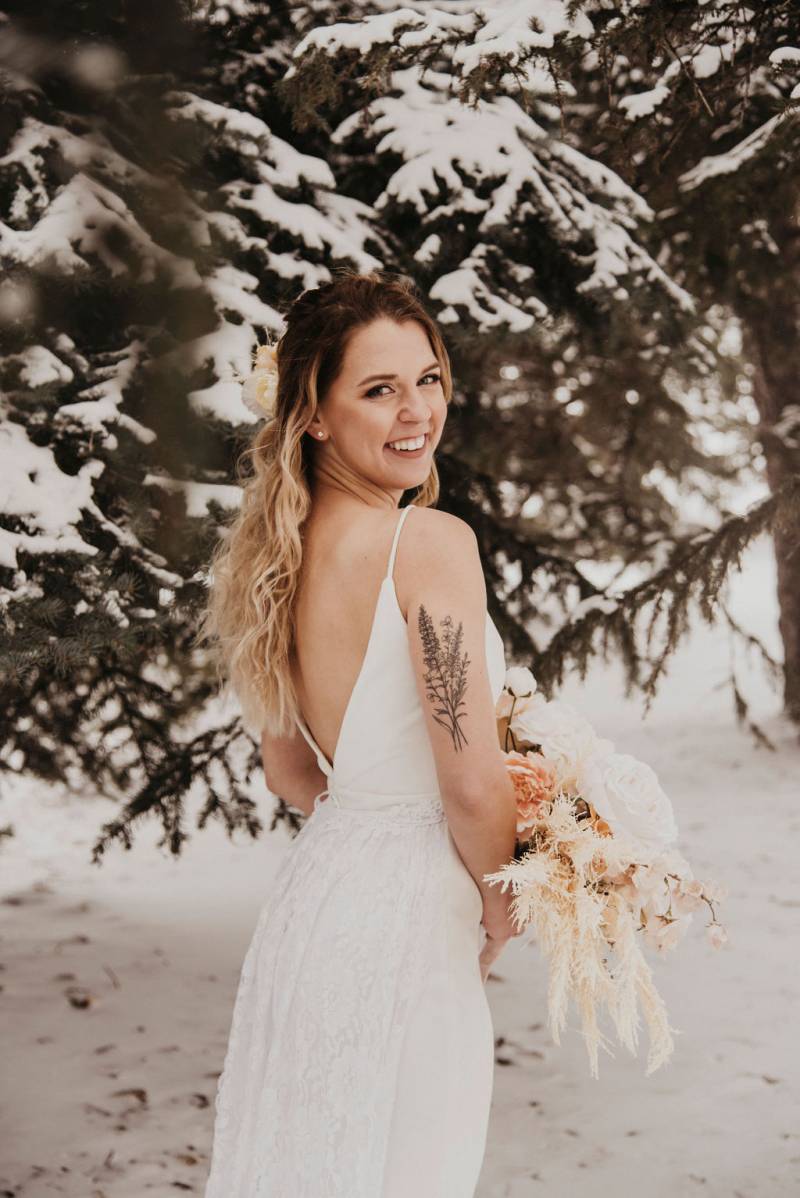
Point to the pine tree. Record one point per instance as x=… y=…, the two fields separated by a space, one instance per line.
x=624 y=365
x=161 y=199
x=710 y=93
x=143 y=221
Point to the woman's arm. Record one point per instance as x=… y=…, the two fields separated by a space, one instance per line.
x=443 y=583
x=291 y=770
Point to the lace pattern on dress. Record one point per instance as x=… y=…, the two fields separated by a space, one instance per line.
x=366 y=934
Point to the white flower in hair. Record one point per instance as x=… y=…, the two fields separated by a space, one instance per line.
x=260 y=388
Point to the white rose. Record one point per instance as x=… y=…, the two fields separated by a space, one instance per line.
x=627 y=794
x=520 y=681
x=260 y=388
x=565 y=736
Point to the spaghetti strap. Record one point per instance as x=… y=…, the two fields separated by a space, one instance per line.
x=395 y=539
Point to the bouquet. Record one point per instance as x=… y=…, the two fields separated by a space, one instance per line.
x=595 y=870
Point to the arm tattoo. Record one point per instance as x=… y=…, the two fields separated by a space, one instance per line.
x=446 y=673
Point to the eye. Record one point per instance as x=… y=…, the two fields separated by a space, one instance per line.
x=437 y=378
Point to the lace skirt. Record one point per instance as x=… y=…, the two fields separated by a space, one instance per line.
x=361 y=1052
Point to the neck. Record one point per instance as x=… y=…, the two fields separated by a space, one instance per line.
x=330 y=478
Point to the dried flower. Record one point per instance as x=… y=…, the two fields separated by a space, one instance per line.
x=717 y=935
x=587 y=888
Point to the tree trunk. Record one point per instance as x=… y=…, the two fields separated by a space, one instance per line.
x=772 y=343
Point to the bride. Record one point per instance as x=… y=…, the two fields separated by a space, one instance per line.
x=361 y=1052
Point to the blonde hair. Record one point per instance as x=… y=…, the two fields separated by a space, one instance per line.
x=248 y=618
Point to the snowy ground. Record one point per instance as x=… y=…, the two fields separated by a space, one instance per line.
x=114 y=1099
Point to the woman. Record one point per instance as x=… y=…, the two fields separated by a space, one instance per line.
x=361 y=1053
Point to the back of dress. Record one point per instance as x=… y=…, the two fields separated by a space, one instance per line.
x=361 y=1053
x=384 y=747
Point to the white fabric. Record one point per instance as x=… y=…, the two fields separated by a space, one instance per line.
x=360 y=1060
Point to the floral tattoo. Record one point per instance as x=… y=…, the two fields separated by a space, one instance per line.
x=446 y=673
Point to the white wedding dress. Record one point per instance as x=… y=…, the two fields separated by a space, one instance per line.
x=360 y=1060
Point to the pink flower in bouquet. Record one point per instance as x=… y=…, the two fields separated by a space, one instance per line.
x=663 y=933
x=687 y=896
x=534 y=779
x=717 y=935
x=649 y=881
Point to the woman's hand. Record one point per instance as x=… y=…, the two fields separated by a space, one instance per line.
x=497 y=918
x=490 y=951
x=500 y=928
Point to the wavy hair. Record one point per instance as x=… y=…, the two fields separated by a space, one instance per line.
x=248 y=618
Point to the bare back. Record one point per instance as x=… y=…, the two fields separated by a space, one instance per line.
x=344 y=564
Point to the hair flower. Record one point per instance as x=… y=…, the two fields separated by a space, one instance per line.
x=260 y=388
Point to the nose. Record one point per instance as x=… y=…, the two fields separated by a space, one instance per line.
x=417 y=405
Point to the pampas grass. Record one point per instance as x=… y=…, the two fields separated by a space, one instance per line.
x=585 y=884
x=576 y=918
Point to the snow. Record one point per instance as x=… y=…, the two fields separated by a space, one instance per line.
x=790 y=54
x=83 y=219
x=505 y=29
x=708 y=60
x=446 y=148
x=508 y=32
x=103 y=403
x=401 y=27
x=113 y=1100
x=643 y=103
x=197 y=496
x=39 y=367
x=48 y=501
x=466 y=288
x=714 y=165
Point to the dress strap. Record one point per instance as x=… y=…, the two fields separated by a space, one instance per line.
x=395 y=539
x=331 y=798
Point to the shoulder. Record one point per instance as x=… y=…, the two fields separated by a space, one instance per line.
x=432 y=532
x=439 y=550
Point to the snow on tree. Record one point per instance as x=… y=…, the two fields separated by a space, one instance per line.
x=134 y=289
x=521 y=112
x=164 y=196
x=709 y=94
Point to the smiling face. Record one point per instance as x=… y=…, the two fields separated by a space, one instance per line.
x=389 y=389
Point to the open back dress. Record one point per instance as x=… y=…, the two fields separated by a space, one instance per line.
x=360 y=1060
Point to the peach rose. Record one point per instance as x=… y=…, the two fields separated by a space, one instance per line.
x=534 y=779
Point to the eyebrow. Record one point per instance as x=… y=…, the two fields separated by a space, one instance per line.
x=372 y=377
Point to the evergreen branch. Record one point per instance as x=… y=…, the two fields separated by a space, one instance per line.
x=694 y=574
x=773 y=667
x=169 y=782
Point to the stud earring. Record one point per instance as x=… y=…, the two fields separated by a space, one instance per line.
x=320 y=434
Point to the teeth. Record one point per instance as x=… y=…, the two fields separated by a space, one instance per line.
x=417 y=443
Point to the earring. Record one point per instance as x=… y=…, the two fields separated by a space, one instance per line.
x=320 y=434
